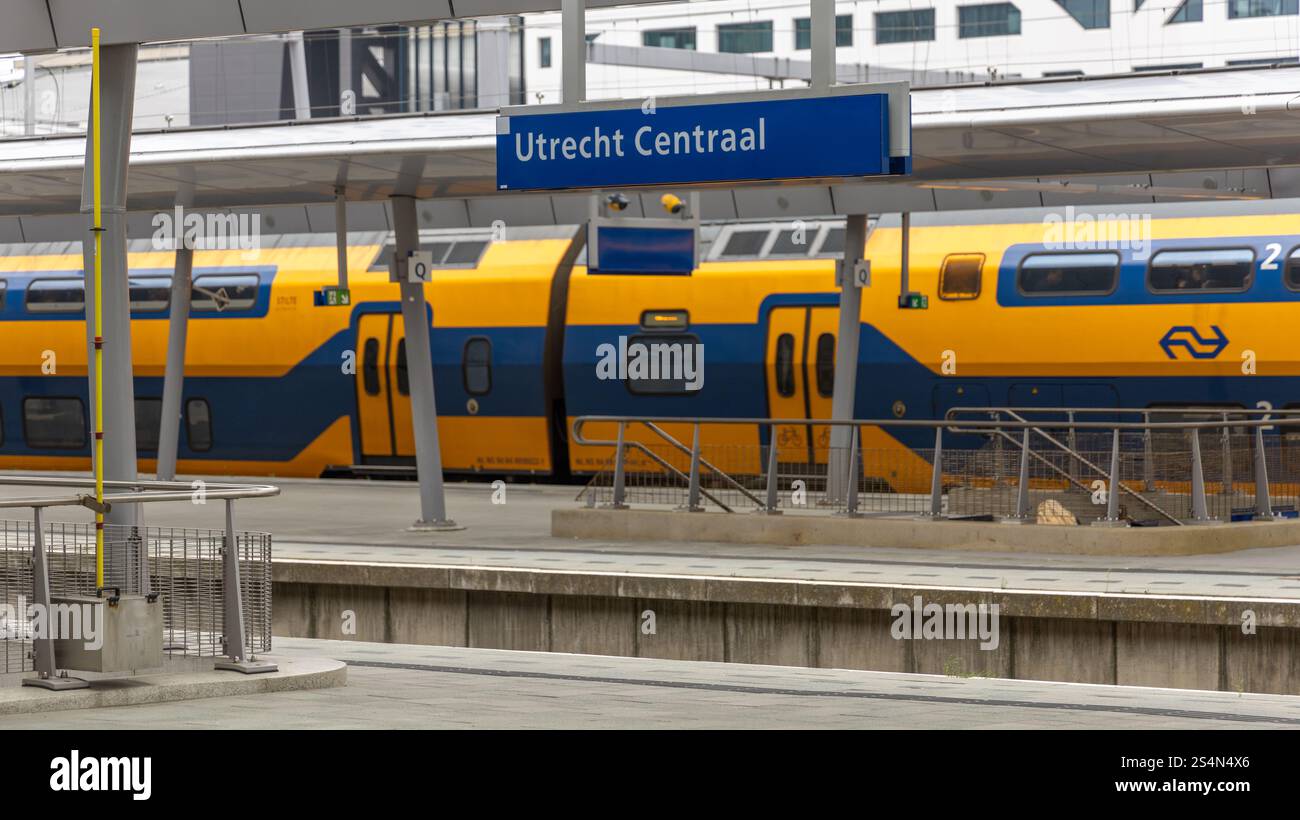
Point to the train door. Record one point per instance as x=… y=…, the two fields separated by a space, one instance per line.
x=800 y=367
x=383 y=390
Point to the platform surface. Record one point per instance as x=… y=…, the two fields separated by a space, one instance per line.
x=366 y=521
x=420 y=687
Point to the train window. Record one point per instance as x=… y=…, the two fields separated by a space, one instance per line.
x=2 y=428
x=826 y=365
x=785 y=365
x=1291 y=277
x=1056 y=274
x=465 y=254
x=4 y=286
x=370 y=367
x=56 y=296
x=148 y=423
x=745 y=243
x=663 y=364
x=1202 y=270
x=224 y=292
x=150 y=294
x=791 y=243
x=198 y=425
x=961 y=276
x=438 y=250
x=476 y=367
x=833 y=244
x=54 y=423
x=403 y=375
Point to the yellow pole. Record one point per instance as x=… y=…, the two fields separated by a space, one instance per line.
x=99 y=315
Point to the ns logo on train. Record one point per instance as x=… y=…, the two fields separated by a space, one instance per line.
x=1191 y=340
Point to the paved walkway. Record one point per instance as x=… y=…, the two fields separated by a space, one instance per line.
x=344 y=520
x=393 y=686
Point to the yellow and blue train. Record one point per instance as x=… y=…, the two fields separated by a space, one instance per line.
x=1194 y=309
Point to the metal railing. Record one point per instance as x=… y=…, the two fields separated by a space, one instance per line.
x=1045 y=465
x=214 y=585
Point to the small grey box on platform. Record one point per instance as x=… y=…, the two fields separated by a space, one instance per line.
x=127 y=635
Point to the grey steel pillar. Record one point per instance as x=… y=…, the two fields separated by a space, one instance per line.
x=693 y=483
x=620 y=455
x=46 y=674
x=1263 y=503
x=1225 y=441
x=846 y=358
x=298 y=73
x=573 y=44
x=772 y=507
x=1112 y=518
x=117 y=106
x=174 y=377
x=232 y=606
x=419 y=360
x=341 y=236
x=1200 y=512
x=851 y=479
x=1022 y=490
x=822 y=45
x=936 y=477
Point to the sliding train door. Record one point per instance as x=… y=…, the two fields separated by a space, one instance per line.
x=383 y=391
x=800 y=371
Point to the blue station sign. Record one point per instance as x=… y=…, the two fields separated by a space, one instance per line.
x=803 y=137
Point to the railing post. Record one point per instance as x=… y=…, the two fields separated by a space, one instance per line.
x=232 y=605
x=43 y=645
x=1148 y=456
x=936 y=477
x=1263 y=504
x=620 y=453
x=773 y=486
x=851 y=487
x=693 y=485
x=1200 y=513
x=1072 y=439
x=1226 y=440
x=1022 y=491
x=1112 y=518
x=997 y=450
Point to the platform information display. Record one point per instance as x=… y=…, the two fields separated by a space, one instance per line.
x=845 y=134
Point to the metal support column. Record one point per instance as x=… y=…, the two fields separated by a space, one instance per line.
x=852 y=477
x=1200 y=512
x=822 y=31
x=693 y=484
x=573 y=44
x=1263 y=503
x=1021 y=515
x=1112 y=518
x=424 y=411
x=117 y=107
x=936 y=477
x=620 y=457
x=232 y=606
x=341 y=236
x=47 y=676
x=772 y=505
x=298 y=73
x=846 y=357
x=174 y=376
x=1225 y=441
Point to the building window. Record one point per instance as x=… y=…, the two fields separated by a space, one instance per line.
x=1189 y=12
x=198 y=425
x=1059 y=74
x=1088 y=13
x=544 y=52
x=148 y=424
x=988 y=20
x=960 y=277
x=683 y=38
x=54 y=423
x=1262 y=8
x=1261 y=61
x=905 y=26
x=476 y=366
x=1141 y=69
x=1058 y=274
x=803 y=32
x=745 y=38
x=1192 y=271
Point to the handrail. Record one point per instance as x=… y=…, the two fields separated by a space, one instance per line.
x=143 y=491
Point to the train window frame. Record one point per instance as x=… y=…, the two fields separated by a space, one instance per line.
x=738 y=231
x=1292 y=260
x=1114 y=280
x=4 y=290
x=486 y=365
x=2 y=426
x=54 y=307
x=681 y=317
x=402 y=369
x=154 y=306
x=27 y=435
x=198 y=302
x=190 y=424
x=775 y=239
x=1247 y=284
x=380 y=264
x=776 y=367
x=370 y=366
x=961 y=296
x=821 y=368
x=152 y=401
x=638 y=387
